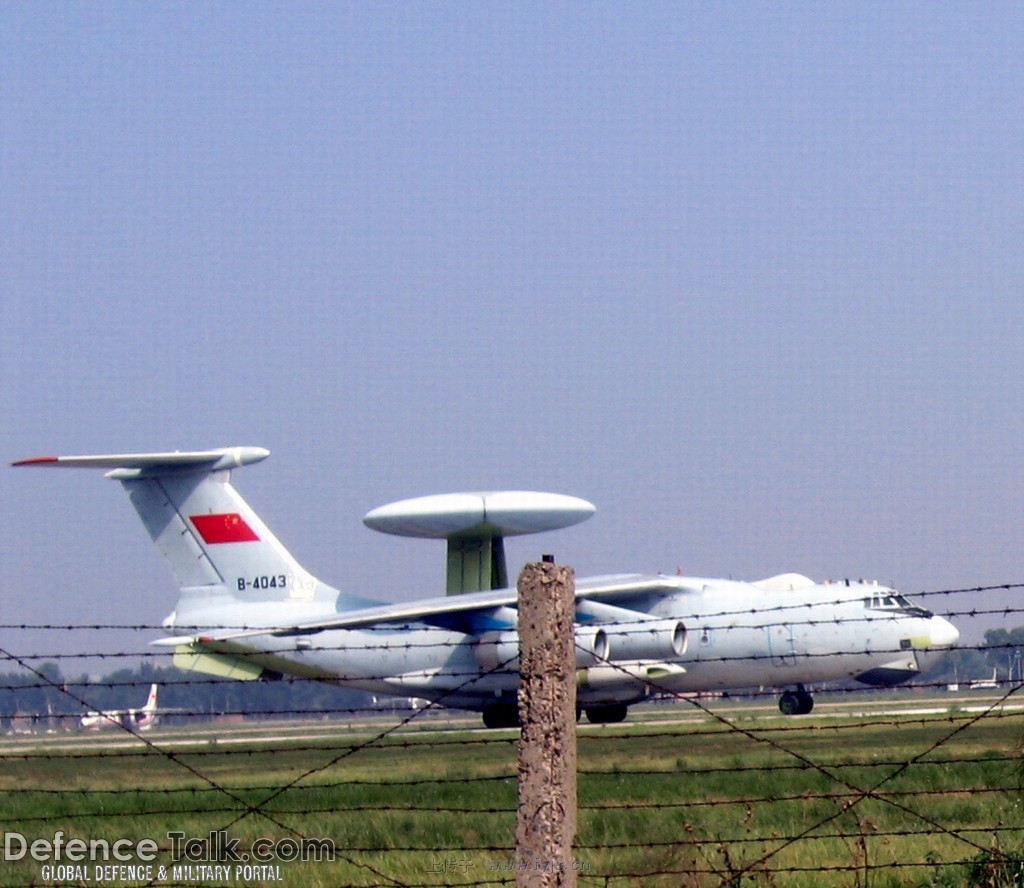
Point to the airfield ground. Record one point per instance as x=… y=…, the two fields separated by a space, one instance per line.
x=896 y=789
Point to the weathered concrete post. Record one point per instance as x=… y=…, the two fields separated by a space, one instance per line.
x=546 y=824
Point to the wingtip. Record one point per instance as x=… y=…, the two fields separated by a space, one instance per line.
x=36 y=461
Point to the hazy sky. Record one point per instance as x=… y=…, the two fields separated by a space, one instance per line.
x=748 y=277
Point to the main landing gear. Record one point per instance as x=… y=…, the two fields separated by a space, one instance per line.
x=506 y=715
x=797 y=702
x=607 y=715
x=501 y=715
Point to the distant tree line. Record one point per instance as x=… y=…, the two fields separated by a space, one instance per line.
x=1001 y=654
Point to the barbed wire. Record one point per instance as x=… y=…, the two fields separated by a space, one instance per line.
x=854 y=785
x=187 y=633
x=179 y=761
x=754 y=608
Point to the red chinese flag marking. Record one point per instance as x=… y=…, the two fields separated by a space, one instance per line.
x=226 y=528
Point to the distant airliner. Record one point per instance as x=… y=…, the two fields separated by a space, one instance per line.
x=248 y=610
x=138 y=719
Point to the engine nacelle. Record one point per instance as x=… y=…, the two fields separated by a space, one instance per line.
x=626 y=681
x=500 y=650
x=645 y=640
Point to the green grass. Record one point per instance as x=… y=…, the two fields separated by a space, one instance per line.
x=806 y=802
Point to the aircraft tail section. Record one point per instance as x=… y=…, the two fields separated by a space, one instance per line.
x=148 y=714
x=231 y=569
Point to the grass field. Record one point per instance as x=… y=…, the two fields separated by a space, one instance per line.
x=680 y=798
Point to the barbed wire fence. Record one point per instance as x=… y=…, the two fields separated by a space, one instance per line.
x=706 y=795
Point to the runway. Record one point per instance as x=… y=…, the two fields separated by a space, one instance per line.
x=357 y=730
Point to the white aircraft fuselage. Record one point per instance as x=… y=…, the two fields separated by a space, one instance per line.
x=737 y=636
x=248 y=610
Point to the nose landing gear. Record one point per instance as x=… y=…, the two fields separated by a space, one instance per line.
x=798 y=702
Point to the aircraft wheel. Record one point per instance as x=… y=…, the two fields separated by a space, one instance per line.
x=501 y=715
x=606 y=715
x=796 y=703
x=806 y=702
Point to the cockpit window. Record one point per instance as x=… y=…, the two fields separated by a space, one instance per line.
x=894 y=602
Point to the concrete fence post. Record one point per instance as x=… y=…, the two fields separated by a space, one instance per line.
x=546 y=823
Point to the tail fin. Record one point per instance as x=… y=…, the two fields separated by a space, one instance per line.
x=148 y=715
x=151 y=703
x=232 y=571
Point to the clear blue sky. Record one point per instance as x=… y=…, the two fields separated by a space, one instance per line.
x=747 y=276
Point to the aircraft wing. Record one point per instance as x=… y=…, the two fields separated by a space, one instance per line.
x=444 y=610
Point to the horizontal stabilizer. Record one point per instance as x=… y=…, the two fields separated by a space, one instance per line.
x=155 y=463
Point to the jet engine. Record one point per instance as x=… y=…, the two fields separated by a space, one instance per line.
x=645 y=640
x=633 y=634
x=500 y=650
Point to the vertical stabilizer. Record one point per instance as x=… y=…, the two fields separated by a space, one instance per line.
x=148 y=716
x=232 y=571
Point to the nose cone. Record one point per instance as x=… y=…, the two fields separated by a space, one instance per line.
x=944 y=634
